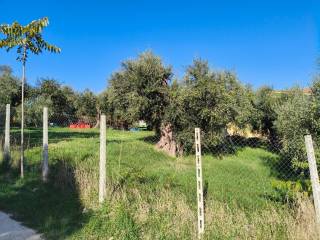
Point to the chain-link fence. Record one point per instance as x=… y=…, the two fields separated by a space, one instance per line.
x=258 y=184
x=73 y=150
x=254 y=187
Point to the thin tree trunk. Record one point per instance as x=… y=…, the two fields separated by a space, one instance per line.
x=97 y=120
x=22 y=120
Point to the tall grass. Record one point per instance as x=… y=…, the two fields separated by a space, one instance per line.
x=150 y=195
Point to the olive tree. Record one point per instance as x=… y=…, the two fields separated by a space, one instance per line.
x=87 y=107
x=207 y=99
x=292 y=123
x=139 y=91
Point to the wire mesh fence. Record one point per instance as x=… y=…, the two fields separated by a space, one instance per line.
x=251 y=181
x=254 y=187
x=73 y=146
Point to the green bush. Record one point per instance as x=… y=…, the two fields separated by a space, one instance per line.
x=292 y=123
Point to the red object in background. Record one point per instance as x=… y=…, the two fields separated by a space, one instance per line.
x=80 y=125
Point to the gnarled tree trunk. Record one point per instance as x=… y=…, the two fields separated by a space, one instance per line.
x=167 y=143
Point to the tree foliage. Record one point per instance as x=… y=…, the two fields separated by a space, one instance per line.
x=87 y=106
x=266 y=102
x=139 y=91
x=10 y=91
x=209 y=100
x=10 y=87
x=315 y=106
x=59 y=99
x=292 y=123
x=26 y=38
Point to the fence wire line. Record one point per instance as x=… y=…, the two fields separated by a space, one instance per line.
x=276 y=174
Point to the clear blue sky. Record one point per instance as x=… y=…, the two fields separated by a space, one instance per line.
x=274 y=42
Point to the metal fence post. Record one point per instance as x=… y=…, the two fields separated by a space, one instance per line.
x=313 y=175
x=102 y=163
x=7 y=135
x=199 y=183
x=45 y=163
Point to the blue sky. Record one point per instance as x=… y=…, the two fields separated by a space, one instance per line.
x=265 y=42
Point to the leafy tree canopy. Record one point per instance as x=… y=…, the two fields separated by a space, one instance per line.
x=10 y=87
x=86 y=105
x=140 y=90
x=209 y=100
x=26 y=38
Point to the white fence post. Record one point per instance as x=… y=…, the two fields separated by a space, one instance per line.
x=7 y=135
x=313 y=175
x=103 y=159
x=199 y=183
x=45 y=163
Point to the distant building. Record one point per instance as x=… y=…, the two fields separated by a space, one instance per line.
x=306 y=91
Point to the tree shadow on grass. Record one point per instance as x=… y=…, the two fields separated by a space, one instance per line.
x=280 y=168
x=53 y=211
x=239 y=142
x=230 y=145
x=33 y=136
x=288 y=183
x=279 y=165
x=150 y=139
x=283 y=178
x=233 y=144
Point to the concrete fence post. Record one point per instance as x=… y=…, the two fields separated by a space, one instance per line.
x=199 y=183
x=45 y=154
x=103 y=160
x=313 y=175
x=7 y=135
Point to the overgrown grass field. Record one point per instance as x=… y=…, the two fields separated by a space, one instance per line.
x=150 y=195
